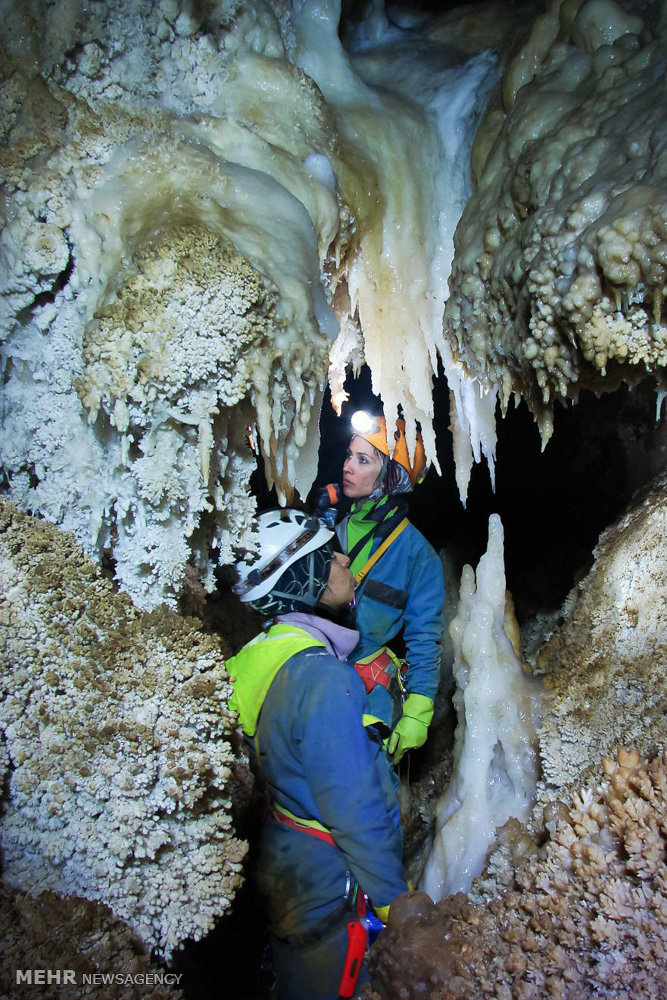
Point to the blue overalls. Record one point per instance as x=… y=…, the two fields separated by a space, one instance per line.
x=319 y=765
x=404 y=590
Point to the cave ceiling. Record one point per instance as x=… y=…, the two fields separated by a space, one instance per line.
x=214 y=211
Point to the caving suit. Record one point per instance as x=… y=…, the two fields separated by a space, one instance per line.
x=302 y=708
x=404 y=590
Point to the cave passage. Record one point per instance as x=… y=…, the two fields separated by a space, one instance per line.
x=553 y=504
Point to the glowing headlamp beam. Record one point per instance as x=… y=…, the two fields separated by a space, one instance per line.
x=363 y=422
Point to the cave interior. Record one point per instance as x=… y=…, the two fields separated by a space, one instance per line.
x=554 y=500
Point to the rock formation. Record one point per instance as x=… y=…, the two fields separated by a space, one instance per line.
x=573 y=903
x=559 y=273
x=603 y=668
x=117 y=763
x=87 y=952
x=585 y=917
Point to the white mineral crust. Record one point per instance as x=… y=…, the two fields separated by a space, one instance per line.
x=495 y=751
x=115 y=745
x=197 y=209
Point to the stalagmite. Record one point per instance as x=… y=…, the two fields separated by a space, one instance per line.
x=495 y=751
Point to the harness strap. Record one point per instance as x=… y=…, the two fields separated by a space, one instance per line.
x=377 y=513
x=376 y=669
x=380 y=551
x=309 y=826
x=385 y=513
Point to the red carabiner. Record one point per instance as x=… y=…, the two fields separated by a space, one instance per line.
x=357 y=939
x=356 y=949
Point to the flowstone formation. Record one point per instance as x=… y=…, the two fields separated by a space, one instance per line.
x=561 y=253
x=118 y=769
x=586 y=915
x=93 y=954
x=208 y=208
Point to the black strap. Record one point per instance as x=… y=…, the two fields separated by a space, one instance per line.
x=386 y=594
x=386 y=516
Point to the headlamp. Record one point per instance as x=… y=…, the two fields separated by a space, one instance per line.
x=364 y=423
x=257 y=576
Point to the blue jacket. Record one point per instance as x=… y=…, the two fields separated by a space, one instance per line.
x=403 y=590
x=318 y=761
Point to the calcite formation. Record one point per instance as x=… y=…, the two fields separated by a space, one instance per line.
x=585 y=917
x=559 y=275
x=87 y=952
x=571 y=903
x=208 y=209
x=119 y=771
x=163 y=308
x=138 y=336
x=603 y=669
x=495 y=745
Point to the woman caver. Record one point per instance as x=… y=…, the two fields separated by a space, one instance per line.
x=333 y=814
x=399 y=582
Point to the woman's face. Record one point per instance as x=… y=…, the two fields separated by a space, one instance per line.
x=339 y=591
x=361 y=469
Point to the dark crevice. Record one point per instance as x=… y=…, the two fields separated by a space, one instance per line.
x=49 y=295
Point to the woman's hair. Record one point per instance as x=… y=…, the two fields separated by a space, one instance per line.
x=396 y=479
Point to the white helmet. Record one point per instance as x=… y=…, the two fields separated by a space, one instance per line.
x=285 y=535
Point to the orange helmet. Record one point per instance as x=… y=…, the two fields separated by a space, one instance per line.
x=374 y=430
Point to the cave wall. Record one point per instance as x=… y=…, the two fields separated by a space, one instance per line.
x=559 y=276
x=120 y=759
x=571 y=902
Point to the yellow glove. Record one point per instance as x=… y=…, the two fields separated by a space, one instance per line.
x=382 y=912
x=412 y=727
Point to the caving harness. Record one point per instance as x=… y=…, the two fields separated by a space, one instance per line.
x=383 y=666
x=364 y=928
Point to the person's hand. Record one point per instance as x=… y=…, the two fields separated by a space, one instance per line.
x=411 y=729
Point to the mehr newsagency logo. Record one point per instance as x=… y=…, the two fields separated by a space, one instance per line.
x=68 y=977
